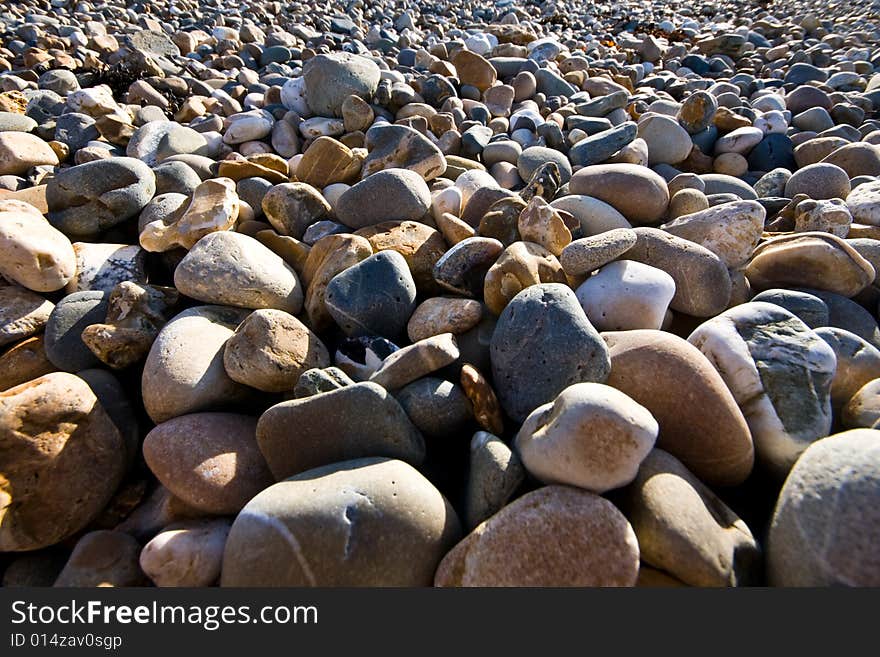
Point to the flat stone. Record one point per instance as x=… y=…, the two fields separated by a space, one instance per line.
x=815 y=260
x=22 y=313
x=589 y=253
x=415 y=361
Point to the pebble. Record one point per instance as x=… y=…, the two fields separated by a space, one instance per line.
x=329 y=527
x=815 y=260
x=86 y=199
x=102 y=559
x=45 y=422
x=388 y=195
x=639 y=194
x=591 y=436
x=63 y=335
x=376 y=296
x=702 y=284
x=780 y=373
x=729 y=230
x=184 y=370
x=232 y=269
x=700 y=421
x=415 y=361
x=352 y=422
x=328 y=79
x=554 y=536
x=824 y=528
x=36 y=255
x=529 y=366
x=21 y=151
x=685 y=530
x=270 y=349
x=208 y=460
x=22 y=313
x=393 y=194
x=188 y=553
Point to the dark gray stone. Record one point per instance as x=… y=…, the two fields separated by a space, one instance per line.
x=542 y=344
x=374 y=297
x=63 y=342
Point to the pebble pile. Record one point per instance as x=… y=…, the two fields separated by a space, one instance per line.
x=433 y=292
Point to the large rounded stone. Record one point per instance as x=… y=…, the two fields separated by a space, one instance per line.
x=271 y=349
x=625 y=295
x=819 y=181
x=63 y=338
x=591 y=436
x=92 y=197
x=102 y=559
x=208 y=460
x=328 y=257
x=233 y=269
x=780 y=374
x=554 y=536
x=813 y=260
x=374 y=297
x=638 y=193
x=184 y=370
x=331 y=78
x=188 y=553
x=62 y=460
x=685 y=530
x=826 y=526
x=20 y=151
x=702 y=283
x=389 y=195
x=33 y=253
x=700 y=421
x=543 y=343
x=368 y=522
x=668 y=142
x=730 y=230
x=420 y=245
x=355 y=421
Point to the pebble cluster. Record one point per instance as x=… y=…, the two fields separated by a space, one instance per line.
x=432 y=292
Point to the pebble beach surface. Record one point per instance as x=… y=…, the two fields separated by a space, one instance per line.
x=432 y=293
